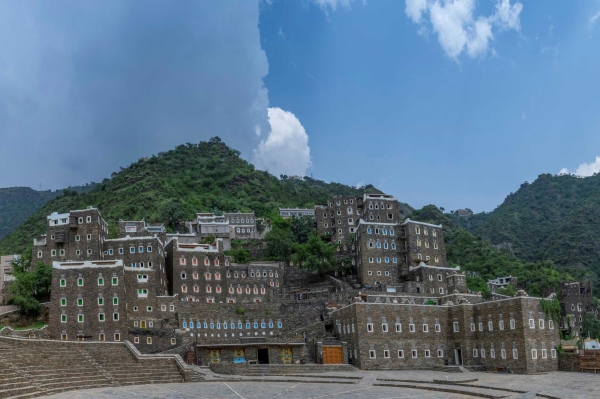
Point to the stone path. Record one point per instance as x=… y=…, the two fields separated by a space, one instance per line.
x=370 y=386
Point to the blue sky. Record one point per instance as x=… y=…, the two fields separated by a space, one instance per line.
x=450 y=102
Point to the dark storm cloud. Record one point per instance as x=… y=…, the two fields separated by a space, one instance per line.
x=86 y=87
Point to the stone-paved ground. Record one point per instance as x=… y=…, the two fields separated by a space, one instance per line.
x=560 y=385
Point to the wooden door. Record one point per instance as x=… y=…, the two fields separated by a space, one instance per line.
x=332 y=355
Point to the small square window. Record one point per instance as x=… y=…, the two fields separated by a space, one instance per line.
x=115 y=281
x=413 y=353
x=63 y=282
x=63 y=318
x=80 y=318
x=115 y=301
x=386 y=354
x=79 y=301
x=100 y=301
x=400 y=354
x=63 y=302
x=80 y=282
x=372 y=354
x=100 y=281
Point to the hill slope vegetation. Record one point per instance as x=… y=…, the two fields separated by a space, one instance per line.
x=555 y=218
x=475 y=254
x=171 y=186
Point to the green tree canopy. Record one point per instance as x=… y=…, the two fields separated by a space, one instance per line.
x=29 y=285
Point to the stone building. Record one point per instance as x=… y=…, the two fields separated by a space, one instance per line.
x=339 y=218
x=6 y=274
x=377 y=253
x=423 y=242
x=576 y=301
x=288 y=213
x=413 y=333
x=202 y=273
x=501 y=282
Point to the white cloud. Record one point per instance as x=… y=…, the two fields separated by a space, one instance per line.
x=594 y=18
x=585 y=169
x=332 y=5
x=360 y=184
x=285 y=150
x=456 y=26
x=507 y=15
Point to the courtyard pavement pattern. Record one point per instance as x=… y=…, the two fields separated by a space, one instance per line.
x=359 y=385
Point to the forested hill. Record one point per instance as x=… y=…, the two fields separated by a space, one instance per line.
x=555 y=217
x=19 y=203
x=474 y=254
x=173 y=185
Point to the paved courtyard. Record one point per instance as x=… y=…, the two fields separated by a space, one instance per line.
x=364 y=385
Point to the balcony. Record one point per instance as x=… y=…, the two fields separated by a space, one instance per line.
x=39 y=241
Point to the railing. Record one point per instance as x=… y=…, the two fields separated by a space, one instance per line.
x=39 y=241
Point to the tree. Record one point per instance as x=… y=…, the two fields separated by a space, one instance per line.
x=591 y=326
x=279 y=243
x=302 y=227
x=28 y=285
x=209 y=239
x=171 y=214
x=239 y=255
x=509 y=290
x=314 y=255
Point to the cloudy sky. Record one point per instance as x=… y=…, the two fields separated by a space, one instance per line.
x=452 y=102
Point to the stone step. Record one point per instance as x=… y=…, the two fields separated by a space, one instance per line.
x=50 y=382
x=7 y=393
x=53 y=391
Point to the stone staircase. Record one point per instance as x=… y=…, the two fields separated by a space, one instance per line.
x=33 y=368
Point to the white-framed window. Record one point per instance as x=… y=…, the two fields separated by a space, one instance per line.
x=386 y=354
x=490 y=326
x=541 y=323
x=475 y=353
x=492 y=353
x=369 y=327
x=63 y=318
x=413 y=353
x=77 y=238
x=455 y=326
x=401 y=354
x=80 y=318
x=427 y=353
x=501 y=324
x=472 y=326
x=482 y=353
x=384 y=327
x=89 y=237
x=534 y=353
x=503 y=353
x=553 y=353
x=531 y=323
x=480 y=326
x=544 y=354
x=398 y=327
x=372 y=354
x=440 y=353
x=411 y=328
x=438 y=328
x=551 y=324
x=516 y=354
x=425 y=328
x=512 y=324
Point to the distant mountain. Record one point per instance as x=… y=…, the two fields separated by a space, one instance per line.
x=477 y=255
x=172 y=186
x=19 y=203
x=555 y=218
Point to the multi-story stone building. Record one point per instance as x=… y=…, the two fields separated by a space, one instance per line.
x=576 y=301
x=377 y=253
x=423 y=242
x=6 y=274
x=421 y=333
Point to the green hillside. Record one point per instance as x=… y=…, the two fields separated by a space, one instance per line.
x=19 y=203
x=555 y=217
x=172 y=186
x=474 y=254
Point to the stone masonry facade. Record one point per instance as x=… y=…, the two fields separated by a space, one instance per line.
x=181 y=292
